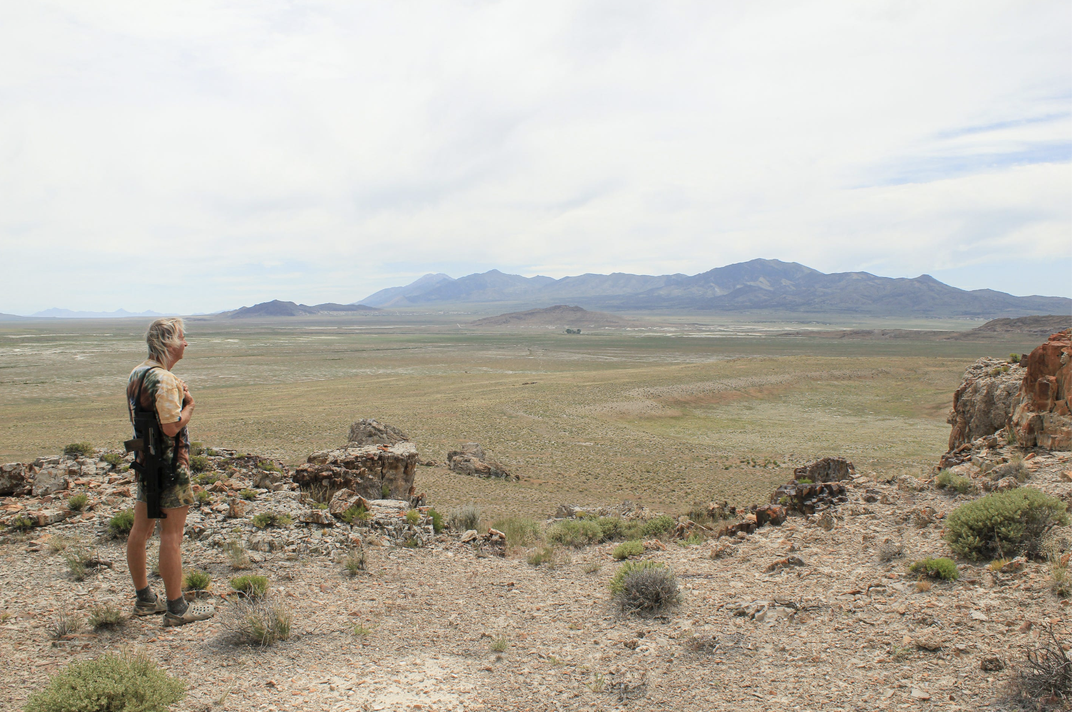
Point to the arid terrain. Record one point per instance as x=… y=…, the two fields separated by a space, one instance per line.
x=669 y=415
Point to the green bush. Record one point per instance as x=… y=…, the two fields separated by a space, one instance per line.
x=115 y=459
x=268 y=466
x=248 y=495
x=943 y=568
x=121 y=523
x=356 y=561
x=199 y=463
x=541 y=555
x=413 y=517
x=1003 y=524
x=260 y=623
x=519 y=531
x=78 y=449
x=356 y=513
x=203 y=497
x=105 y=615
x=437 y=520
x=236 y=554
x=627 y=549
x=252 y=586
x=464 y=518
x=385 y=491
x=644 y=587
x=196 y=581
x=110 y=683
x=197 y=448
x=575 y=532
x=953 y=481
x=271 y=519
x=78 y=502
x=21 y=523
x=659 y=525
x=1014 y=358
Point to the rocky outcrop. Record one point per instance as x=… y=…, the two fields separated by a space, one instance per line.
x=1042 y=416
x=471 y=460
x=828 y=469
x=367 y=431
x=16 y=479
x=984 y=401
x=373 y=472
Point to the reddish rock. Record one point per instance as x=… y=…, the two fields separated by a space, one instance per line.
x=374 y=472
x=16 y=479
x=770 y=514
x=744 y=526
x=829 y=469
x=1042 y=416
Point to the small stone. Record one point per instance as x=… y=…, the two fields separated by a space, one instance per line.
x=919 y=694
x=977 y=616
x=991 y=664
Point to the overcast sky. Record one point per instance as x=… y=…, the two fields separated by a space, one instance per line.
x=198 y=156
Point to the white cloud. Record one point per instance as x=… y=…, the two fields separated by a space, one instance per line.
x=321 y=151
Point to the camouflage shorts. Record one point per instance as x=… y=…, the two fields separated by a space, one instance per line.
x=175 y=495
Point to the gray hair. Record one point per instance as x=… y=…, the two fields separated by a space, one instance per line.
x=163 y=333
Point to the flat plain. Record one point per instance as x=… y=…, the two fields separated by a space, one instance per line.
x=676 y=410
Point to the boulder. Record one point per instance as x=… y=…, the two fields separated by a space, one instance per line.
x=471 y=460
x=49 y=480
x=1042 y=415
x=344 y=499
x=16 y=479
x=984 y=401
x=373 y=472
x=829 y=469
x=367 y=431
x=770 y=514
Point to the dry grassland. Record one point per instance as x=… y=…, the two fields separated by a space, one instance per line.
x=655 y=415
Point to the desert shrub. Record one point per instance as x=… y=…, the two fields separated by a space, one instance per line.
x=1061 y=581
x=121 y=523
x=1044 y=678
x=1004 y=524
x=541 y=555
x=519 y=531
x=890 y=550
x=207 y=478
x=78 y=449
x=627 y=549
x=953 y=481
x=78 y=502
x=77 y=560
x=105 y=615
x=203 y=497
x=197 y=448
x=659 y=525
x=61 y=542
x=413 y=517
x=21 y=523
x=196 y=581
x=355 y=561
x=319 y=492
x=575 y=532
x=1014 y=358
x=437 y=520
x=804 y=481
x=500 y=644
x=110 y=683
x=611 y=528
x=251 y=586
x=361 y=630
x=943 y=568
x=236 y=554
x=271 y=519
x=199 y=463
x=464 y=518
x=259 y=622
x=644 y=587
x=269 y=466
x=385 y=491
x=356 y=513
x=63 y=625
x=115 y=459
x=248 y=495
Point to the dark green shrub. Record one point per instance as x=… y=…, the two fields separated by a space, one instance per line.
x=519 y=531
x=413 y=517
x=437 y=520
x=203 y=497
x=464 y=518
x=77 y=502
x=248 y=495
x=385 y=491
x=207 y=478
x=21 y=523
x=78 y=449
x=659 y=525
x=1003 y=524
x=199 y=463
x=356 y=513
x=110 y=683
x=1014 y=358
x=644 y=587
x=115 y=459
x=627 y=549
x=953 y=481
x=271 y=519
x=575 y=532
x=268 y=466
x=121 y=523
x=196 y=581
x=250 y=585
x=943 y=568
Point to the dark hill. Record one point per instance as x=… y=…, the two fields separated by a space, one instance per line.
x=277 y=308
x=561 y=316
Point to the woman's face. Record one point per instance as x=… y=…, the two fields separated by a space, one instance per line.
x=176 y=350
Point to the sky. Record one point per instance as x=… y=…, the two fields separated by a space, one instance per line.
x=198 y=156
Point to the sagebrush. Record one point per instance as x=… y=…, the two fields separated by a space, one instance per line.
x=1004 y=524
x=110 y=683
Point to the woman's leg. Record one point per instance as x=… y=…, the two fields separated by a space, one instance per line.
x=136 y=541
x=170 y=550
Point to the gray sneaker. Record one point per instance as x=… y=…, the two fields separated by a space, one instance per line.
x=150 y=608
x=194 y=612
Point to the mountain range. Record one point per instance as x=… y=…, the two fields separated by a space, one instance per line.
x=758 y=285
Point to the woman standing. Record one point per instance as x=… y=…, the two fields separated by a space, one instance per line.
x=154 y=389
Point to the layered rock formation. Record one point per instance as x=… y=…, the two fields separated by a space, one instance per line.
x=982 y=404
x=471 y=460
x=367 y=431
x=1042 y=415
x=373 y=471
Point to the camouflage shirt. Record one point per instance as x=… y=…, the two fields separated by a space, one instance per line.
x=161 y=390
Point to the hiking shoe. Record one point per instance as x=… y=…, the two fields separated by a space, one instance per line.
x=194 y=612
x=150 y=608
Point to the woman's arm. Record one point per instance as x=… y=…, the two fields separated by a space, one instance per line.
x=187 y=412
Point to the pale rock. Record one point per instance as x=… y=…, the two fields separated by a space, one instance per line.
x=48 y=481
